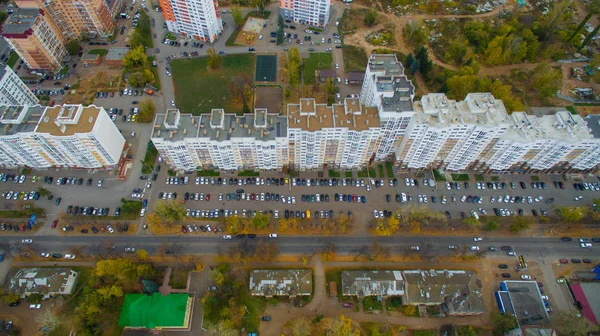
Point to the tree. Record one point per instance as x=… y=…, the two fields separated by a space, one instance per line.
x=408 y=310
x=456 y=51
x=301 y=327
x=135 y=57
x=571 y=214
x=492 y=225
x=425 y=63
x=147 y=110
x=546 y=80
x=519 y=223
x=370 y=17
x=409 y=60
x=48 y=320
x=169 y=212
x=238 y=18
x=43 y=191
x=415 y=33
x=148 y=76
x=571 y=324
x=260 y=221
x=3 y=17
x=212 y=59
x=503 y=323
x=136 y=79
x=223 y=328
x=280 y=35
x=11 y=298
x=266 y=251
x=341 y=326
x=141 y=254
x=109 y=292
x=471 y=221
x=589 y=37
x=293 y=66
x=387 y=227
x=73 y=47
x=135 y=39
x=35 y=298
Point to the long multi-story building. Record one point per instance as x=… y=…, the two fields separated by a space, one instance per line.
x=197 y=19
x=73 y=136
x=12 y=89
x=311 y=136
x=32 y=34
x=310 y=12
x=386 y=87
x=94 y=18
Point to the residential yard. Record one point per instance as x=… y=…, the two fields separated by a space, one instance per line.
x=149 y=159
x=179 y=276
x=316 y=61
x=12 y=60
x=355 y=58
x=100 y=51
x=199 y=89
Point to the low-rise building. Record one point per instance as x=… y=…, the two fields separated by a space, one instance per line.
x=587 y=295
x=12 y=89
x=91 y=59
x=523 y=300
x=363 y=283
x=115 y=56
x=280 y=282
x=46 y=281
x=456 y=291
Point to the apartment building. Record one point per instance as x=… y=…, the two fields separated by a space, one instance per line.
x=32 y=34
x=94 y=18
x=71 y=136
x=12 y=89
x=310 y=12
x=197 y=19
x=221 y=140
x=387 y=88
x=447 y=134
x=341 y=136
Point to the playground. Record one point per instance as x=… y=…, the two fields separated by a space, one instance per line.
x=249 y=33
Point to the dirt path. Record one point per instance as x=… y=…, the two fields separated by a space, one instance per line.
x=319 y=295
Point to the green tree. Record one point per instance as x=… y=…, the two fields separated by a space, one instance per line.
x=478 y=34
x=11 y=298
x=409 y=60
x=73 y=47
x=135 y=57
x=260 y=221
x=520 y=223
x=35 y=298
x=147 y=110
x=491 y=225
x=415 y=33
x=456 y=51
x=135 y=39
x=43 y=191
x=169 y=212
x=571 y=214
x=136 y=79
x=425 y=63
x=471 y=221
x=212 y=59
x=589 y=37
x=465 y=331
x=280 y=34
x=148 y=76
x=238 y=18
x=571 y=324
x=370 y=17
x=503 y=323
x=3 y=17
x=546 y=80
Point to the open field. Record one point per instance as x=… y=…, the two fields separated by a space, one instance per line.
x=316 y=61
x=199 y=89
x=269 y=97
x=355 y=58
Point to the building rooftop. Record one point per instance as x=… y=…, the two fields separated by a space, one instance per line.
x=402 y=91
x=588 y=296
x=593 y=123
x=372 y=282
x=19 y=119
x=310 y=116
x=42 y=280
x=280 y=282
x=66 y=120
x=526 y=301
x=436 y=110
x=116 y=54
x=20 y=22
x=561 y=125
x=385 y=63
x=156 y=311
x=457 y=290
x=90 y=57
x=219 y=125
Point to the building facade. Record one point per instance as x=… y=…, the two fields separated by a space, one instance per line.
x=32 y=34
x=76 y=18
x=71 y=136
x=197 y=19
x=310 y=12
x=12 y=89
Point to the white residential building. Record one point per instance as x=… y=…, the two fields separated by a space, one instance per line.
x=70 y=136
x=386 y=87
x=197 y=19
x=12 y=89
x=310 y=12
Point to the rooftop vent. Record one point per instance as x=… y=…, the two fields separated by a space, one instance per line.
x=91 y=120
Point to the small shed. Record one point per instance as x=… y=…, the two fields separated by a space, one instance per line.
x=91 y=59
x=324 y=74
x=115 y=56
x=356 y=78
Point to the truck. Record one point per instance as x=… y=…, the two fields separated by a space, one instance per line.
x=149 y=91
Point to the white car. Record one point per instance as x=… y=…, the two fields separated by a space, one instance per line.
x=45 y=255
x=227 y=237
x=70 y=256
x=474 y=248
x=525 y=277
x=586 y=245
x=26 y=241
x=35 y=306
x=415 y=248
x=477 y=239
x=173 y=103
x=143 y=212
x=272 y=235
x=99 y=182
x=110 y=229
x=130 y=249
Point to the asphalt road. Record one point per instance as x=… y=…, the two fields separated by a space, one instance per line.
x=529 y=246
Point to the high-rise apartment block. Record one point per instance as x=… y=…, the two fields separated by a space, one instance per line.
x=32 y=34
x=95 y=18
x=70 y=136
x=12 y=89
x=311 y=12
x=197 y=19
x=310 y=137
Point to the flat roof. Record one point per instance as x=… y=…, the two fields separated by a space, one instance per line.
x=588 y=295
x=66 y=120
x=154 y=311
x=593 y=123
x=278 y=282
x=435 y=109
x=19 y=119
x=20 y=21
x=372 y=282
x=90 y=57
x=526 y=301
x=561 y=125
x=309 y=116
x=116 y=54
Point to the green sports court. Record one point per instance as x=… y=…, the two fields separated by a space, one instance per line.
x=266 y=68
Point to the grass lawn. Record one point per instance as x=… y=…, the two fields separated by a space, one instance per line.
x=100 y=51
x=316 y=61
x=333 y=173
x=389 y=169
x=207 y=173
x=460 y=177
x=370 y=303
x=334 y=275
x=367 y=173
x=39 y=213
x=154 y=70
x=255 y=309
x=199 y=89
x=149 y=159
x=248 y=173
x=355 y=58
x=349 y=174
x=380 y=167
x=12 y=60
x=479 y=178
x=495 y=178
x=535 y=179
x=438 y=176
x=179 y=277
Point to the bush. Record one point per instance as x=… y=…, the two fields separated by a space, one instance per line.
x=408 y=310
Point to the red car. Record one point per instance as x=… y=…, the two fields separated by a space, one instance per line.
x=54 y=223
x=183 y=229
x=563 y=261
x=208 y=197
x=348 y=305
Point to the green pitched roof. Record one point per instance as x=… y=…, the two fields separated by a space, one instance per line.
x=154 y=311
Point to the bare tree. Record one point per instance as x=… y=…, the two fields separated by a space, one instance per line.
x=77 y=250
x=48 y=320
x=7 y=248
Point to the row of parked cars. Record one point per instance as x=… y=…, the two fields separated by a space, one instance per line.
x=90 y=211
x=47 y=92
x=13 y=227
x=73 y=181
x=7 y=177
x=15 y=195
x=587 y=186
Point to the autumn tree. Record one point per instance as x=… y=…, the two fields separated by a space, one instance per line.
x=572 y=324
x=260 y=221
x=301 y=327
x=520 y=223
x=293 y=66
x=456 y=51
x=11 y=298
x=223 y=328
x=135 y=57
x=266 y=250
x=387 y=227
x=169 y=212
x=236 y=14
x=340 y=326
x=233 y=224
x=141 y=254
x=212 y=59
x=328 y=252
x=48 y=319
x=370 y=17
x=571 y=214
x=546 y=80
x=147 y=111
